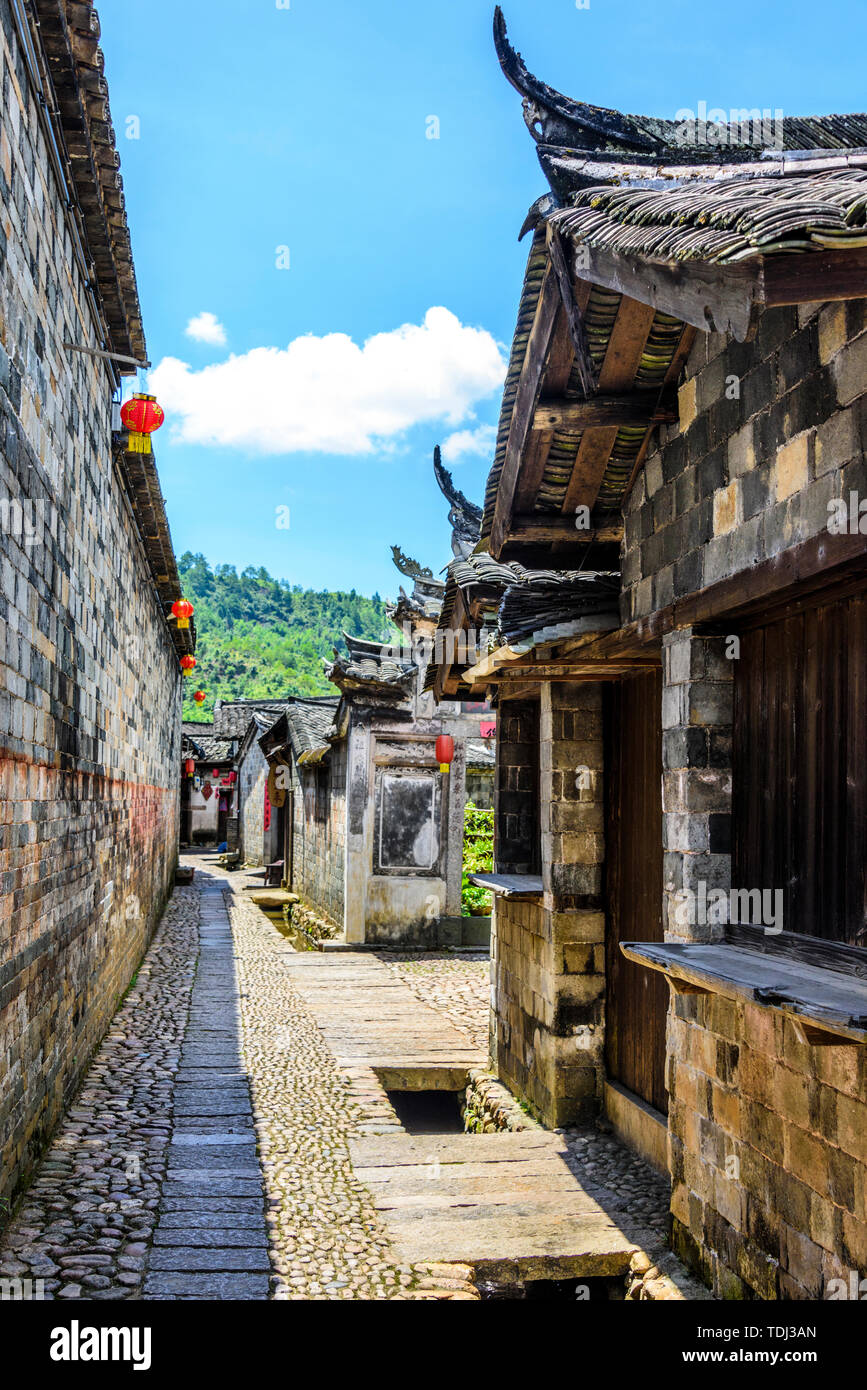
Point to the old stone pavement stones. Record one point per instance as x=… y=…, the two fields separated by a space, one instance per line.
x=210 y=1241
x=85 y=1224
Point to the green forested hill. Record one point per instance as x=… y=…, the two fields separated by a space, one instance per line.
x=260 y=637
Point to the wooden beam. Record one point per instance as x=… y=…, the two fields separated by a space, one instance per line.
x=527 y=394
x=684 y=347
x=583 y=360
x=815 y=275
x=571 y=673
x=715 y=298
x=547 y=669
x=621 y=362
x=536 y=527
x=574 y=416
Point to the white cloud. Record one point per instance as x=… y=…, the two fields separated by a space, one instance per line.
x=328 y=395
x=463 y=443
x=206 y=328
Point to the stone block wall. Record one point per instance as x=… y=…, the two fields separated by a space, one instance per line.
x=548 y=972
x=89 y=679
x=252 y=785
x=770 y=432
x=768 y=1147
x=319 y=861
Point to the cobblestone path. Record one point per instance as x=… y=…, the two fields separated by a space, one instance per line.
x=87 y=1221
x=206 y=1155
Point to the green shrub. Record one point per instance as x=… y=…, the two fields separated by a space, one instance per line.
x=478 y=859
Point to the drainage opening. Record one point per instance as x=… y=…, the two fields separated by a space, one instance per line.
x=428 y=1112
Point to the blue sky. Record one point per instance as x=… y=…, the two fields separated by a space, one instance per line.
x=263 y=127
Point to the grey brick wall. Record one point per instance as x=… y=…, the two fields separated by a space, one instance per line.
x=769 y=432
x=89 y=686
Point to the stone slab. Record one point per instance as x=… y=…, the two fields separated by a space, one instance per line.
x=196 y=1259
x=201 y=1287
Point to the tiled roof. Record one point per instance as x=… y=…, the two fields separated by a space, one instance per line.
x=480 y=753
x=218 y=749
x=535 y=598
x=533 y=277
x=309 y=723
x=723 y=221
x=81 y=118
x=372 y=667
x=547 y=608
x=232 y=717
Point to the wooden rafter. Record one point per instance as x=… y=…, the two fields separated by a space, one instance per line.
x=574 y=316
x=538 y=347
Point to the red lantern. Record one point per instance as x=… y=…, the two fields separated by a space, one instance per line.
x=445 y=751
x=216 y=773
x=199 y=697
x=141 y=415
x=190 y=767
x=187 y=664
x=182 y=609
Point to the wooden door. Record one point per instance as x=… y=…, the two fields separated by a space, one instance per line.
x=636 y=999
x=799 y=780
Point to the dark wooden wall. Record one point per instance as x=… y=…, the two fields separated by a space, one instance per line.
x=636 y=999
x=799 y=770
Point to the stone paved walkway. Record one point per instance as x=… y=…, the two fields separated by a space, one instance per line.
x=208 y=1152
x=456 y=984
x=210 y=1239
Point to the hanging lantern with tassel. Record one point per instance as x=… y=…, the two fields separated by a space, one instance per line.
x=187 y=664
x=199 y=697
x=444 y=750
x=183 y=610
x=190 y=767
x=141 y=416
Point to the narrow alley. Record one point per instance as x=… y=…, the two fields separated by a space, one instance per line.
x=209 y=1153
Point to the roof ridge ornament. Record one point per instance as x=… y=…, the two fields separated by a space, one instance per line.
x=408 y=566
x=465 y=517
x=555 y=119
x=447 y=487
